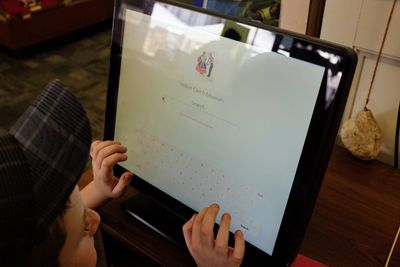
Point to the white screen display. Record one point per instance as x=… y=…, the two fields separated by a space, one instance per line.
x=207 y=119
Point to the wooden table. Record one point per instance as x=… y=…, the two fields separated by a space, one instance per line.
x=354 y=222
x=46 y=24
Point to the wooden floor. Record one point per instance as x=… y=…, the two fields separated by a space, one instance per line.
x=357 y=214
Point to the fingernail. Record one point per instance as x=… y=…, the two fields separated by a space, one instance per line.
x=215 y=205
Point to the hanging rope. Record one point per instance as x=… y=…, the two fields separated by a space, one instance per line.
x=380 y=53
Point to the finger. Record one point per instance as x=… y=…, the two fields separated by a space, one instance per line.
x=187 y=232
x=110 y=161
x=207 y=227
x=122 y=185
x=238 y=250
x=109 y=150
x=105 y=169
x=198 y=220
x=94 y=143
x=97 y=146
x=95 y=149
x=221 y=242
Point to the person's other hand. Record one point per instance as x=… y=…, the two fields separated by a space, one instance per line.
x=208 y=251
x=105 y=154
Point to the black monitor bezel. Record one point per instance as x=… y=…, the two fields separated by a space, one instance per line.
x=313 y=162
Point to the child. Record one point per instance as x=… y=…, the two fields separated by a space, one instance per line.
x=45 y=220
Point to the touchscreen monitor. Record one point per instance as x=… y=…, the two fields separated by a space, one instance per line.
x=221 y=110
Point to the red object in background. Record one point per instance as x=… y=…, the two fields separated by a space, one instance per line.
x=302 y=261
x=13 y=7
x=49 y=3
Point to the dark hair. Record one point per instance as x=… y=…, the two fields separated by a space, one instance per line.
x=232 y=34
x=46 y=251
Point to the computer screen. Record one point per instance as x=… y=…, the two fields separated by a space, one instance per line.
x=216 y=110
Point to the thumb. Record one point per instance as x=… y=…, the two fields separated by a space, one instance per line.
x=127 y=176
x=122 y=184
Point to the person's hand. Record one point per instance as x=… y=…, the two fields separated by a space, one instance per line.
x=105 y=154
x=254 y=14
x=207 y=250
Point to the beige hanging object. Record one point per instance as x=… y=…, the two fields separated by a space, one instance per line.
x=362 y=135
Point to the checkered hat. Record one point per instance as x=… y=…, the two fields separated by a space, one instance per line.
x=41 y=159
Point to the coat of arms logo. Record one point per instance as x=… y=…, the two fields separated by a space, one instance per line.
x=205 y=64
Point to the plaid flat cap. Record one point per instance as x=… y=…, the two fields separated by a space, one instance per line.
x=41 y=159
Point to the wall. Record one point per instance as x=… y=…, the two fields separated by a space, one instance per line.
x=361 y=24
x=294 y=15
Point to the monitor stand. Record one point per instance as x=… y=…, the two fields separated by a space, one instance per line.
x=156 y=216
x=169 y=224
